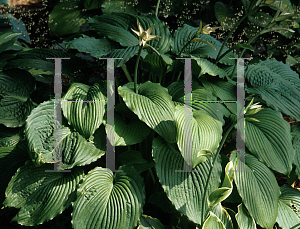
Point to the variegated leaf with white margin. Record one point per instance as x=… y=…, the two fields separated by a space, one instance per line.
x=213 y=222
x=223 y=215
x=223 y=192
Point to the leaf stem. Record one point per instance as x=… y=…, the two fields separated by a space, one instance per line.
x=136 y=68
x=157 y=6
x=211 y=168
x=124 y=68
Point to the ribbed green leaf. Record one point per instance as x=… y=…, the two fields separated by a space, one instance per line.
x=295 y=131
x=41 y=195
x=109 y=201
x=223 y=90
x=258 y=188
x=206 y=134
x=127 y=133
x=96 y=47
x=270 y=140
x=200 y=100
x=147 y=222
x=15 y=105
x=11 y=158
x=66 y=18
x=84 y=107
x=184 y=189
x=199 y=49
x=209 y=68
x=117 y=27
x=213 y=222
x=75 y=150
x=153 y=105
x=8 y=39
x=277 y=84
x=244 y=219
x=126 y=54
x=289 y=208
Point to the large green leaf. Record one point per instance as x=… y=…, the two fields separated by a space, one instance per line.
x=84 y=107
x=107 y=201
x=270 y=140
x=75 y=149
x=127 y=133
x=289 y=208
x=244 y=219
x=204 y=66
x=66 y=17
x=41 y=195
x=11 y=158
x=117 y=27
x=206 y=134
x=277 y=84
x=295 y=129
x=258 y=188
x=153 y=105
x=224 y=90
x=8 y=39
x=147 y=222
x=200 y=100
x=199 y=49
x=35 y=62
x=184 y=189
x=15 y=103
x=96 y=47
x=125 y=53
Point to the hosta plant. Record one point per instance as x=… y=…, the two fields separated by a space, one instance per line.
x=152 y=145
